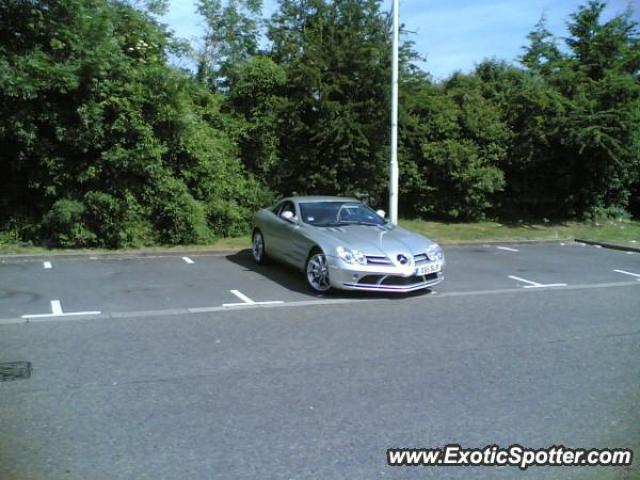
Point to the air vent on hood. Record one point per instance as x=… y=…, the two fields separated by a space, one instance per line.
x=376 y=260
x=420 y=258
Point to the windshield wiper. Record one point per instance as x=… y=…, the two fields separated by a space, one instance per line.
x=334 y=224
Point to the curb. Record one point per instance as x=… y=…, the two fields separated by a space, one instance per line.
x=123 y=255
x=611 y=246
x=506 y=242
x=221 y=253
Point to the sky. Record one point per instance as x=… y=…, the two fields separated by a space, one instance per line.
x=452 y=34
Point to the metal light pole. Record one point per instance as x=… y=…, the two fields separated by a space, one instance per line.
x=393 y=170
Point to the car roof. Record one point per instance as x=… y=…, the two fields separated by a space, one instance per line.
x=321 y=198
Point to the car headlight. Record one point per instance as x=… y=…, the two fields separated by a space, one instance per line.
x=434 y=252
x=351 y=256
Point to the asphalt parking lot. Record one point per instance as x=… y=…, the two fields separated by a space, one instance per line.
x=211 y=367
x=131 y=286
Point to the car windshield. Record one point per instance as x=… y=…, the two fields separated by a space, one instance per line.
x=332 y=214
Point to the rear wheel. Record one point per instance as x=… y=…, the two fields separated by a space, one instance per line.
x=257 y=248
x=317 y=271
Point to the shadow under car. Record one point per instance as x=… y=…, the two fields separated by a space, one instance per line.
x=294 y=280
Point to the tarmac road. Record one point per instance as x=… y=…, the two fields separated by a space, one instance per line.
x=145 y=368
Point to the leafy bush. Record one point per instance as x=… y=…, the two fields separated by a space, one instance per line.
x=111 y=145
x=608 y=213
x=179 y=217
x=453 y=146
x=64 y=225
x=104 y=143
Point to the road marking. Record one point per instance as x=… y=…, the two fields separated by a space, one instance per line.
x=246 y=301
x=242 y=296
x=56 y=311
x=535 y=284
x=78 y=316
x=47 y=265
x=500 y=291
x=56 y=307
x=631 y=253
x=231 y=305
x=188 y=260
x=508 y=249
x=532 y=284
x=624 y=272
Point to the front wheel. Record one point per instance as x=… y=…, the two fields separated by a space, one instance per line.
x=318 y=272
x=257 y=248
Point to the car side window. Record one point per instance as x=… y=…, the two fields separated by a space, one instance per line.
x=288 y=207
x=276 y=210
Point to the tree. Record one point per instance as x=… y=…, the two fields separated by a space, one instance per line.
x=232 y=36
x=453 y=143
x=336 y=58
x=537 y=176
x=256 y=95
x=542 y=54
x=105 y=144
x=600 y=47
x=601 y=80
x=599 y=84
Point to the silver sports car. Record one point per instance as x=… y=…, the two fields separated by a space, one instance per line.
x=342 y=243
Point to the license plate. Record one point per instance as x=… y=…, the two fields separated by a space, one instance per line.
x=428 y=268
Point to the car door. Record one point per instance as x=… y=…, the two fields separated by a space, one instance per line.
x=287 y=239
x=270 y=225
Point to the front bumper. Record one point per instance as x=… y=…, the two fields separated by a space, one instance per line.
x=379 y=279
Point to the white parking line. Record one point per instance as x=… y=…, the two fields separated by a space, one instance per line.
x=508 y=249
x=304 y=303
x=188 y=260
x=532 y=284
x=242 y=296
x=535 y=284
x=56 y=307
x=47 y=265
x=246 y=301
x=624 y=272
x=56 y=311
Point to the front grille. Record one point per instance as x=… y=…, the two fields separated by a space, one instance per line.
x=395 y=283
x=376 y=260
x=370 y=279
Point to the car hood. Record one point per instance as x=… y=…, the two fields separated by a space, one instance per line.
x=386 y=240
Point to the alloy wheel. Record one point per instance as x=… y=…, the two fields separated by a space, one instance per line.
x=318 y=273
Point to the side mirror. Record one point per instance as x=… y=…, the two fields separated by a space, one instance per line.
x=288 y=216
x=382 y=213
